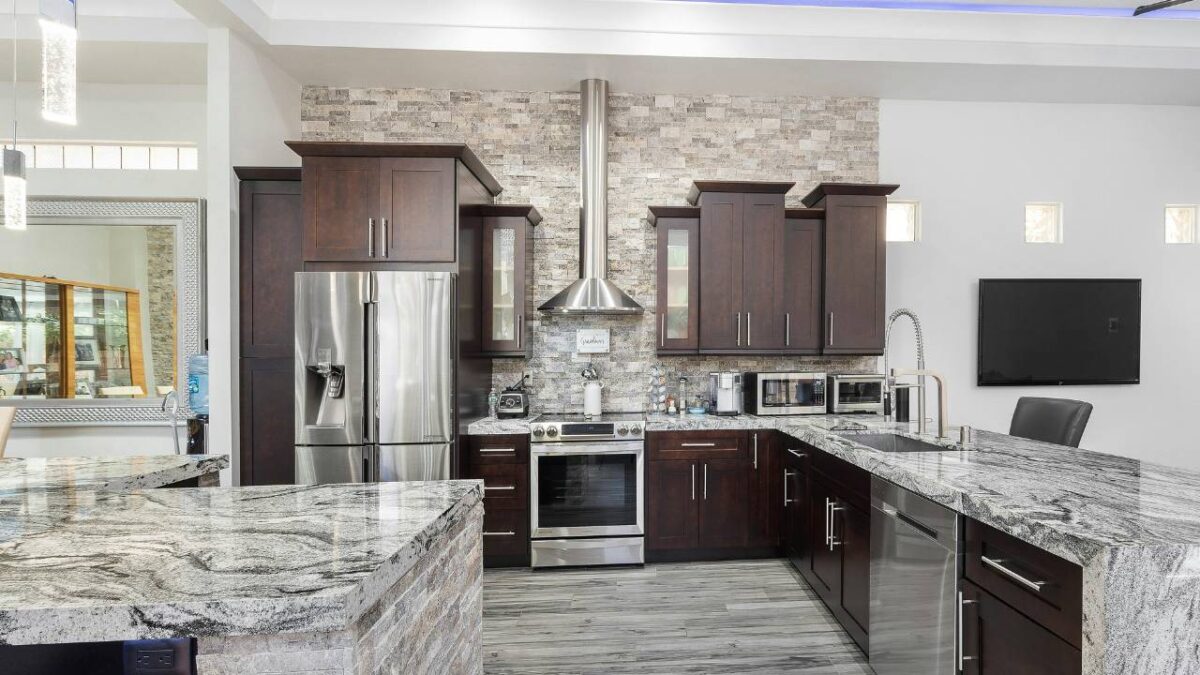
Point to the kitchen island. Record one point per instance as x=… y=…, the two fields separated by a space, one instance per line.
x=358 y=578
x=1132 y=527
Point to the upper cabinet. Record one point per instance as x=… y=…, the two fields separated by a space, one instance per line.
x=385 y=202
x=740 y=274
x=507 y=243
x=855 y=265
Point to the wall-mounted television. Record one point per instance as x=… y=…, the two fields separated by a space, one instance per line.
x=1059 y=331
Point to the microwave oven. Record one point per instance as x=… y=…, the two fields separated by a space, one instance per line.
x=856 y=394
x=785 y=393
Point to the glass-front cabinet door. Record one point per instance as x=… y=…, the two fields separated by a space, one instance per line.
x=506 y=256
x=678 y=283
x=31 y=340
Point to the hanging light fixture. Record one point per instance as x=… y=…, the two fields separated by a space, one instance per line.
x=14 y=160
x=59 y=39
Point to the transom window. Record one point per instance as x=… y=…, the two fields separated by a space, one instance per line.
x=128 y=157
x=903 y=220
x=1043 y=223
x=1180 y=221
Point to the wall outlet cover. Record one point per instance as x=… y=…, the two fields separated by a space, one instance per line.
x=592 y=341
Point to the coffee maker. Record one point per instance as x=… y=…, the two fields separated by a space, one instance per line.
x=725 y=393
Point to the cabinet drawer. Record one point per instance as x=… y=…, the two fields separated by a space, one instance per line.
x=998 y=640
x=499 y=449
x=1038 y=584
x=505 y=486
x=505 y=533
x=853 y=484
x=669 y=445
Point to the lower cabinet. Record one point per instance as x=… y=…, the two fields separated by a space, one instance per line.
x=502 y=462
x=999 y=640
x=796 y=525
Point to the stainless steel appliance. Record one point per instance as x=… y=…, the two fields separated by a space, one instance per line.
x=855 y=394
x=725 y=393
x=785 y=393
x=914 y=580
x=374 y=383
x=586 y=487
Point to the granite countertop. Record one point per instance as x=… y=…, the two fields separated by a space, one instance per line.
x=106 y=474
x=225 y=561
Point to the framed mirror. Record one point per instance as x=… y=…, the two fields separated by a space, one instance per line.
x=101 y=304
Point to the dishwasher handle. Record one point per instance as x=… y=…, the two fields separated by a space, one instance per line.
x=915 y=524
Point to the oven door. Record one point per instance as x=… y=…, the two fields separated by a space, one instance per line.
x=586 y=489
x=859 y=394
x=784 y=394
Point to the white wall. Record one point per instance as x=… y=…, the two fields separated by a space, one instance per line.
x=973 y=166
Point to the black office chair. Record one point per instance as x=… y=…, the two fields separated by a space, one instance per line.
x=1053 y=420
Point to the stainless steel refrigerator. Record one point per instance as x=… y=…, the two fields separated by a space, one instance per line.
x=375 y=373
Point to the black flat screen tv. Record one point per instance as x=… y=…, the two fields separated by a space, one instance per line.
x=1059 y=331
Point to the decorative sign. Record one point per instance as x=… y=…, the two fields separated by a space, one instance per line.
x=591 y=341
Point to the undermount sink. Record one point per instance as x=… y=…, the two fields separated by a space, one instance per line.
x=895 y=443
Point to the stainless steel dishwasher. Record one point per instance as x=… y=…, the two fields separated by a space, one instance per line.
x=914 y=581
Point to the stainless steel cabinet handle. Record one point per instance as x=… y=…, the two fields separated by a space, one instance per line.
x=833 y=508
x=830 y=336
x=370 y=237
x=693 y=482
x=697 y=445
x=508 y=451
x=787 y=330
x=962 y=658
x=500 y=487
x=748 y=343
x=706 y=480
x=739 y=329
x=756 y=452
x=520 y=320
x=797 y=453
x=787 y=475
x=499 y=534
x=998 y=565
x=662 y=330
x=828 y=523
x=386 y=238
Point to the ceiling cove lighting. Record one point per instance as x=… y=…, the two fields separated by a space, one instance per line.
x=59 y=39
x=15 y=195
x=985 y=8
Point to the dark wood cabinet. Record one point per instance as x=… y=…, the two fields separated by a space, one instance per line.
x=766 y=490
x=854 y=538
x=797 y=509
x=678 y=277
x=762 y=229
x=855 y=265
x=721 y=262
x=799 y=278
x=724 y=518
x=507 y=269
x=671 y=520
x=998 y=640
x=502 y=462
x=826 y=566
x=270 y=236
x=384 y=202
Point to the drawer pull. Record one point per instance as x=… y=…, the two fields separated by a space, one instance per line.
x=499 y=534
x=697 y=445
x=499 y=487
x=998 y=565
x=509 y=451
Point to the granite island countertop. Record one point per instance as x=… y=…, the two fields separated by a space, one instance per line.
x=222 y=562
x=106 y=474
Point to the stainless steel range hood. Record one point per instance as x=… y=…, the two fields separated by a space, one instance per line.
x=593 y=293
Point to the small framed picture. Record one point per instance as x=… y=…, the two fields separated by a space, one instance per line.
x=87 y=352
x=9 y=309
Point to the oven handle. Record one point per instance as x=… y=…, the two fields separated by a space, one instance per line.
x=607 y=449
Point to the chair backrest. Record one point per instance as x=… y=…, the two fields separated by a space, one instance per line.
x=7 y=415
x=1053 y=420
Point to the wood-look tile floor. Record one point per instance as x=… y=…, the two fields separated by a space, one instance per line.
x=753 y=616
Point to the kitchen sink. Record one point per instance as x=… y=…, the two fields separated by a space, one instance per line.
x=895 y=443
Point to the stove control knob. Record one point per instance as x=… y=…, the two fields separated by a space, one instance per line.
x=635 y=430
x=622 y=430
x=538 y=431
x=551 y=432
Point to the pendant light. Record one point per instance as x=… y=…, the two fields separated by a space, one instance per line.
x=14 y=160
x=59 y=41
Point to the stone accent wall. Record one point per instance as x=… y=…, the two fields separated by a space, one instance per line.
x=431 y=621
x=658 y=144
x=160 y=273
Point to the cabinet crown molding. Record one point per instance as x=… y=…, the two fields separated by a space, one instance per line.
x=824 y=190
x=744 y=187
x=459 y=151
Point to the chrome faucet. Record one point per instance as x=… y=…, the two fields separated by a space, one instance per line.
x=941 y=382
x=891 y=379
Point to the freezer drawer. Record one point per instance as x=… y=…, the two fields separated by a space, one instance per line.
x=413 y=462
x=317 y=465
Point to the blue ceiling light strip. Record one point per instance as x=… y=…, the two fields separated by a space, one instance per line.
x=979 y=8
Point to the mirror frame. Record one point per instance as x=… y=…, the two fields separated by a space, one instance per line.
x=187 y=216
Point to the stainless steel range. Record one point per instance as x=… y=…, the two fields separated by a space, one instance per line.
x=587 y=477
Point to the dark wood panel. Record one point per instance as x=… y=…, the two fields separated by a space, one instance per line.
x=667 y=228
x=498 y=449
x=457 y=151
x=797 y=509
x=271 y=224
x=341 y=196
x=824 y=190
x=671 y=510
x=267 y=418
x=762 y=224
x=851 y=483
x=417 y=199
x=998 y=640
x=825 y=572
x=284 y=173
x=695 y=193
x=799 y=276
x=724 y=511
x=1057 y=604
x=854 y=536
x=700 y=445
x=505 y=486
x=855 y=274
x=766 y=489
x=721 y=265
x=656 y=213
x=505 y=538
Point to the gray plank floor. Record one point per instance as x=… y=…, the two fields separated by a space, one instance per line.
x=716 y=617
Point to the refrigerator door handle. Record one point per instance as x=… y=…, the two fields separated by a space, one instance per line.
x=371 y=365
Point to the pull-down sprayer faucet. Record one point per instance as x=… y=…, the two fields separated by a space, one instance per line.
x=890 y=377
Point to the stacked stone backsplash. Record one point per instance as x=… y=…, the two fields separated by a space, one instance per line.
x=658 y=144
